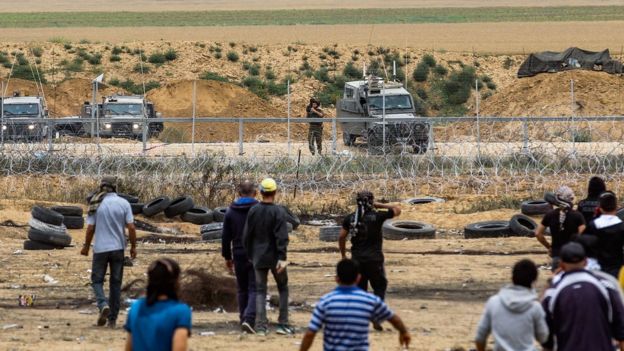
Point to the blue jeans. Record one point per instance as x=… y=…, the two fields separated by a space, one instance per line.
x=246 y=282
x=101 y=261
x=261 y=292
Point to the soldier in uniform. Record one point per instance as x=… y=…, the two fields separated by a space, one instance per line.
x=315 y=133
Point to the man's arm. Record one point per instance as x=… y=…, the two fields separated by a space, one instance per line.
x=132 y=237
x=180 y=339
x=88 y=238
x=396 y=209
x=308 y=339
x=128 y=342
x=539 y=234
x=226 y=242
x=281 y=236
x=404 y=335
x=342 y=242
x=483 y=329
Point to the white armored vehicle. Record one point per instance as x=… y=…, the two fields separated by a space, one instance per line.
x=23 y=118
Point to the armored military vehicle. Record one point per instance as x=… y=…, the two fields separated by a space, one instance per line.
x=23 y=118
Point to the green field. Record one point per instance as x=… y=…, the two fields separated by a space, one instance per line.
x=310 y=17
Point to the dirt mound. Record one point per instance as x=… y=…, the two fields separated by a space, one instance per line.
x=595 y=93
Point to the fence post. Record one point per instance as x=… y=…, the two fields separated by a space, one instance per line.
x=49 y=134
x=525 y=135
x=478 y=120
x=240 y=137
x=193 y=125
x=288 y=122
x=2 y=115
x=334 y=135
x=431 y=143
x=573 y=126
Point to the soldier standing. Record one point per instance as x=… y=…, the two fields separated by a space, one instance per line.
x=315 y=133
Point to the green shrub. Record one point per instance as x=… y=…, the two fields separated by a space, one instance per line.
x=456 y=90
x=253 y=49
x=440 y=70
x=232 y=44
x=58 y=40
x=218 y=55
x=37 y=51
x=22 y=60
x=25 y=72
x=429 y=60
x=75 y=66
x=173 y=135
x=7 y=65
x=308 y=73
x=134 y=88
x=37 y=61
x=354 y=57
x=84 y=41
x=277 y=89
x=508 y=63
x=485 y=78
x=305 y=66
x=422 y=93
x=256 y=86
x=254 y=70
x=491 y=85
x=4 y=58
x=114 y=82
x=116 y=50
x=171 y=55
x=141 y=68
x=208 y=75
x=232 y=56
x=421 y=72
x=95 y=59
x=157 y=58
x=269 y=74
x=322 y=56
x=246 y=65
x=115 y=58
x=582 y=136
x=67 y=46
x=322 y=75
x=352 y=72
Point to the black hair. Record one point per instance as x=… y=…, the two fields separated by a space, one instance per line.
x=246 y=188
x=596 y=187
x=524 y=273
x=608 y=201
x=347 y=271
x=268 y=193
x=162 y=279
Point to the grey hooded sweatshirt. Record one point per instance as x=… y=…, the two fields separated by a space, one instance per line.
x=515 y=318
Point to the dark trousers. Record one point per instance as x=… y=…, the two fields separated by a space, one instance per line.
x=246 y=282
x=315 y=135
x=373 y=272
x=101 y=261
x=281 y=280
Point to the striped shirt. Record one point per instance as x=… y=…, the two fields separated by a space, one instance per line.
x=345 y=314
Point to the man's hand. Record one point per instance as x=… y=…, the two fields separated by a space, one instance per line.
x=230 y=266
x=405 y=339
x=133 y=252
x=281 y=266
x=85 y=250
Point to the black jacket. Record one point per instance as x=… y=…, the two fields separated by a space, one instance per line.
x=265 y=236
x=233 y=226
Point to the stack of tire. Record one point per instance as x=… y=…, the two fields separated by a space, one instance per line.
x=182 y=206
x=47 y=231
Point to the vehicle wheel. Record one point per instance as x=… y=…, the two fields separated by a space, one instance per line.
x=198 y=215
x=179 y=206
x=522 y=225
x=131 y=198
x=423 y=200
x=74 y=222
x=156 y=206
x=45 y=227
x=35 y=245
x=68 y=210
x=46 y=215
x=348 y=139
x=421 y=148
x=292 y=218
x=487 y=229
x=399 y=230
x=535 y=207
x=329 y=233
x=219 y=214
x=374 y=141
x=50 y=238
x=137 y=208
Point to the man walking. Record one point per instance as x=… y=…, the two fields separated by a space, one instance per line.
x=584 y=311
x=265 y=239
x=235 y=257
x=107 y=218
x=315 y=133
x=514 y=315
x=367 y=241
x=608 y=230
x=346 y=312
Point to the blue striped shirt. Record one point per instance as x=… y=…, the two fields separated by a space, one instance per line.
x=345 y=314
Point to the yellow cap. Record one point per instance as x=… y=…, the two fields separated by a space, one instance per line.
x=268 y=185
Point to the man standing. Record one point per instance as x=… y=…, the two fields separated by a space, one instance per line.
x=514 y=315
x=265 y=239
x=584 y=311
x=367 y=241
x=315 y=133
x=609 y=232
x=107 y=218
x=346 y=312
x=235 y=257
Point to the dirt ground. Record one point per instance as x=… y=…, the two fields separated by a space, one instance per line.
x=437 y=286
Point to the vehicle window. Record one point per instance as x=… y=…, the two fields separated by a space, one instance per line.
x=12 y=110
x=124 y=109
x=349 y=93
x=393 y=102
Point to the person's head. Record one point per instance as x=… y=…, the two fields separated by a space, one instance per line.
x=247 y=189
x=572 y=257
x=364 y=197
x=163 y=280
x=268 y=188
x=596 y=187
x=524 y=273
x=108 y=183
x=608 y=202
x=347 y=272
x=565 y=194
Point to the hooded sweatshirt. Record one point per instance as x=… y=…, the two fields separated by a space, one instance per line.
x=233 y=225
x=515 y=318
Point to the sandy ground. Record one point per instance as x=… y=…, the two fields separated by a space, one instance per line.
x=437 y=286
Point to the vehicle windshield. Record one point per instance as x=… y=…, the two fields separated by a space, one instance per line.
x=393 y=102
x=123 y=109
x=21 y=110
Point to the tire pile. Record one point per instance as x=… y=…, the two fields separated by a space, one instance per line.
x=48 y=227
x=182 y=206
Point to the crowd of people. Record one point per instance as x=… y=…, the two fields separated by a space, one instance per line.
x=582 y=308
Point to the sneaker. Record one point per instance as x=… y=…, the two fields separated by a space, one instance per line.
x=284 y=329
x=128 y=262
x=377 y=326
x=247 y=328
x=112 y=324
x=104 y=312
x=262 y=332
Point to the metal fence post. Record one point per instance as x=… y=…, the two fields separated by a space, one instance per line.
x=240 y=137
x=49 y=134
x=334 y=135
x=2 y=115
x=193 y=124
x=525 y=135
x=431 y=145
x=288 y=116
x=573 y=124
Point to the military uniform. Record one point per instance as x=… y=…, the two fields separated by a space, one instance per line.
x=315 y=133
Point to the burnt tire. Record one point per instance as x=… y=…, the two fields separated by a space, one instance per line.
x=50 y=238
x=400 y=230
x=535 y=207
x=211 y=227
x=156 y=206
x=46 y=215
x=68 y=210
x=329 y=233
x=522 y=225
x=130 y=198
x=423 y=200
x=198 y=215
x=137 y=208
x=219 y=214
x=74 y=222
x=291 y=218
x=179 y=206
x=46 y=227
x=487 y=229
x=35 y=245
x=212 y=231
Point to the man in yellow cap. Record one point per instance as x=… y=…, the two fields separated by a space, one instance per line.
x=265 y=239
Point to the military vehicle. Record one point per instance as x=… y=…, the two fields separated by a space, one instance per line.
x=23 y=118
x=377 y=101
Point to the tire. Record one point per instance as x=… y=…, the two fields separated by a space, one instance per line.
x=420 y=148
x=45 y=227
x=487 y=229
x=292 y=218
x=219 y=214
x=35 y=245
x=329 y=233
x=137 y=208
x=50 y=238
x=156 y=206
x=550 y=198
x=46 y=215
x=68 y=210
x=74 y=222
x=348 y=139
x=130 y=198
x=213 y=235
x=535 y=207
x=399 y=230
x=179 y=206
x=522 y=225
x=423 y=200
x=198 y=215
x=211 y=227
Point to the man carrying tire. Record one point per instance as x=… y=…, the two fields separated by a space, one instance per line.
x=235 y=257
x=365 y=227
x=108 y=217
